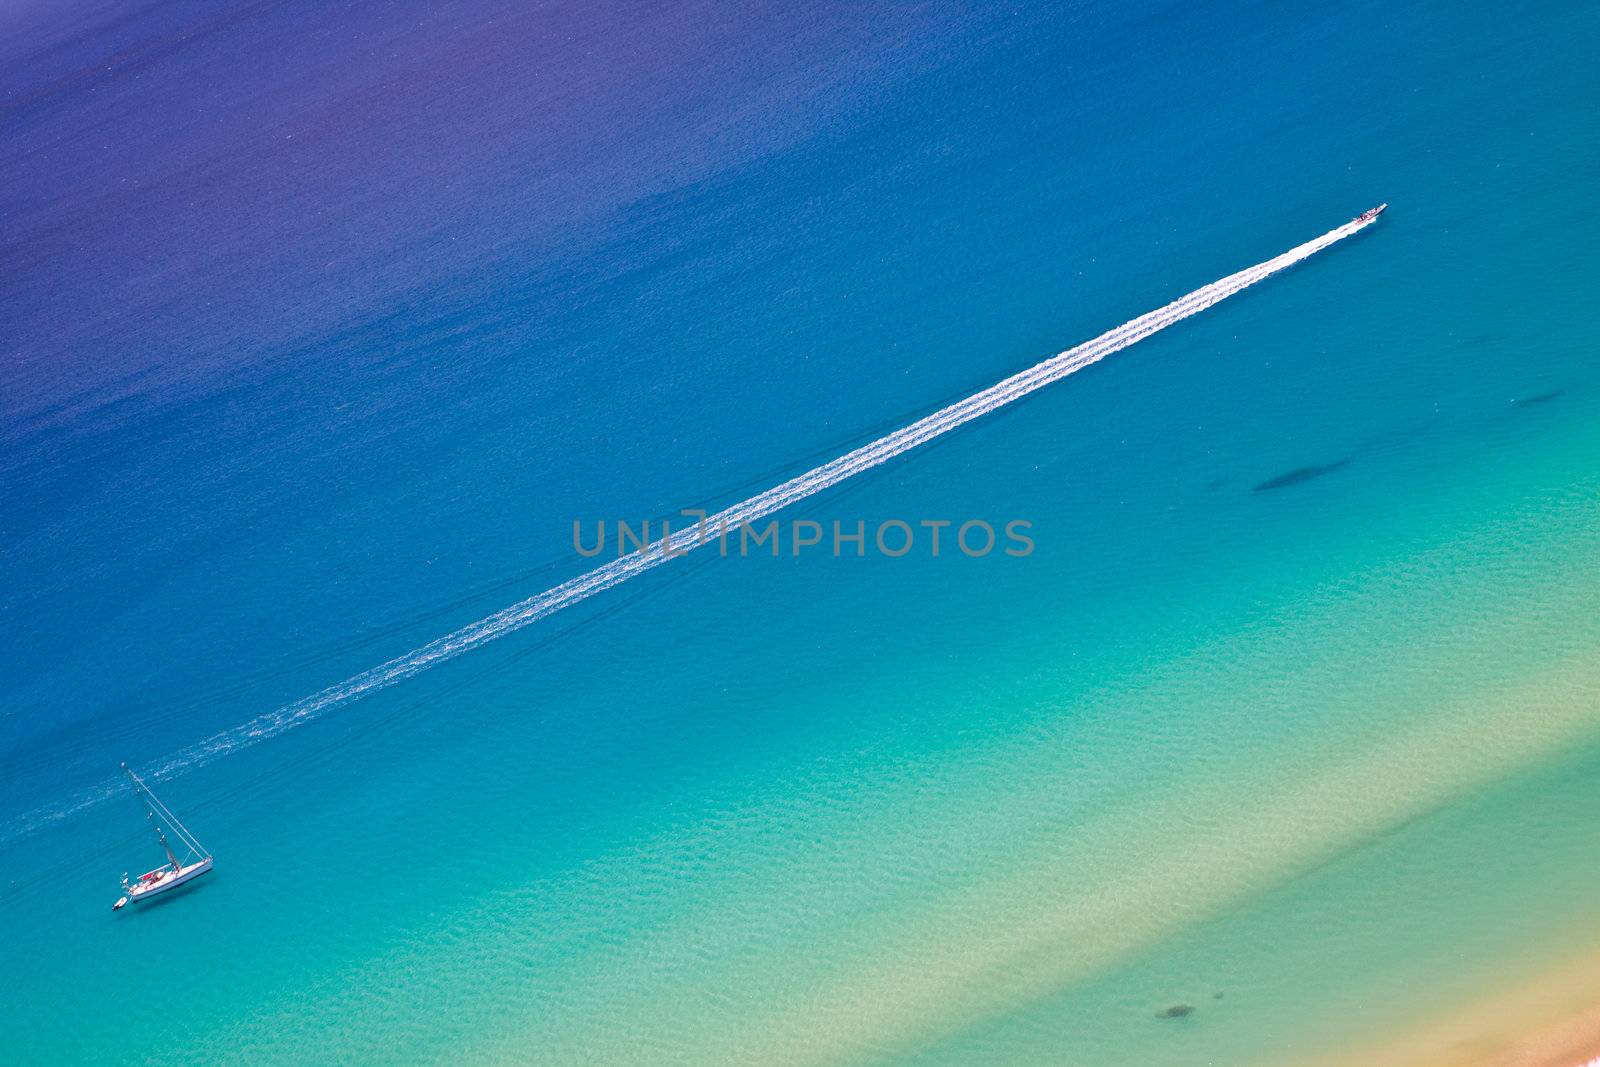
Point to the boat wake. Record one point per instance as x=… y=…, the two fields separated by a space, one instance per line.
x=684 y=541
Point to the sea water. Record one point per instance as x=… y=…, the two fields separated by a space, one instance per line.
x=1287 y=719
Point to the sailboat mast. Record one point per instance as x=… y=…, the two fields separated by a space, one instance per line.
x=164 y=846
x=154 y=804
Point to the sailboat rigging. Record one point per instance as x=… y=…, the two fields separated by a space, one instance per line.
x=175 y=871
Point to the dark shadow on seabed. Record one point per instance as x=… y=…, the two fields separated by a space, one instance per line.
x=1302 y=474
x=1539 y=398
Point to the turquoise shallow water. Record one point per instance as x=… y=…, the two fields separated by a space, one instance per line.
x=307 y=372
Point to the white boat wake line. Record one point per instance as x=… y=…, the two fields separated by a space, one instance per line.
x=683 y=541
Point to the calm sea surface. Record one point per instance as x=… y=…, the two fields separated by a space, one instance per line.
x=319 y=328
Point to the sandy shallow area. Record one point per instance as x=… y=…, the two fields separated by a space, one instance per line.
x=1548 y=1019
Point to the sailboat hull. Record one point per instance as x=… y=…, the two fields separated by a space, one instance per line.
x=145 y=890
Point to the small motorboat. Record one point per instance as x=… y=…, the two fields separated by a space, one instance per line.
x=175 y=871
x=1371 y=213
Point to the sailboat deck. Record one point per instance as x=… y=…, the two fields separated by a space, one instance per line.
x=170 y=880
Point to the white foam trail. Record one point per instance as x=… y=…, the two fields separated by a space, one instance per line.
x=683 y=541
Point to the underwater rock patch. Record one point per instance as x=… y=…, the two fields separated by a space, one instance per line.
x=1301 y=474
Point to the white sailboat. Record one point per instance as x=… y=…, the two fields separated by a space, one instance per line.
x=175 y=871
